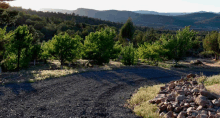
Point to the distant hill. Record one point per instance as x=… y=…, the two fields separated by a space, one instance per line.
x=159 y=13
x=197 y=20
x=200 y=16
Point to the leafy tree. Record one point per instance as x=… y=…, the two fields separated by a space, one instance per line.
x=180 y=44
x=129 y=55
x=150 y=36
x=211 y=43
x=20 y=47
x=4 y=39
x=127 y=30
x=99 y=46
x=63 y=47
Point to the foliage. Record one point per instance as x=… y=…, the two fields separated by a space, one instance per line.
x=99 y=46
x=19 y=49
x=62 y=47
x=211 y=43
x=154 y=52
x=129 y=55
x=127 y=30
x=180 y=44
x=150 y=36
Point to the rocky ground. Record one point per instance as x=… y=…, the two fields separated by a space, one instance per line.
x=89 y=94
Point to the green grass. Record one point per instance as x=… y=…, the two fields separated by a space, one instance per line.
x=139 y=101
x=215 y=79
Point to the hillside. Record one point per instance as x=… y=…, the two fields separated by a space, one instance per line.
x=171 y=21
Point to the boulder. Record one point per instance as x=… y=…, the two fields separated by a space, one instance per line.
x=201 y=100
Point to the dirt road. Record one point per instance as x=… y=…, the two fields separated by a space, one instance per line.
x=89 y=94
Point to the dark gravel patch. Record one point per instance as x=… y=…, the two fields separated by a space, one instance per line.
x=90 y=94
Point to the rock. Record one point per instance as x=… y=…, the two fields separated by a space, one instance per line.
x=180 y=98
x=180 y=92
x=171 y=97
x=216 y=102
x=171 y=86
x=189 y=110
x=194 y=83
x=177 y=109
x=162 y=108
x=191 y=75
x=169 y=115
x=208 y=95
x=202 y=116
x=170 y=107
x=162 y=88
x=218 y=111
x=199 y=108
x=195 y=90
x=201 y=100
x=182 y=114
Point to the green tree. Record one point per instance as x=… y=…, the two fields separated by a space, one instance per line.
x=211 y=43
x=20 y=47
x=4 y=40
x=127 y=30
x=99 y=46
x=150 y=36
x=180 y=44
x=129 y=55
x=154 y=52
x=63 y=47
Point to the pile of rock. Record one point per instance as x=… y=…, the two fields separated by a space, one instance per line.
x=186 y=98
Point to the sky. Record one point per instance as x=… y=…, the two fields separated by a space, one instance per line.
x=129 y=5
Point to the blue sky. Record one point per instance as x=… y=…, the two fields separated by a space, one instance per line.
x=130 y=5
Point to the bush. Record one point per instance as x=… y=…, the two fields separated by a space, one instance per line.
x=99 y=46
x=129 y=55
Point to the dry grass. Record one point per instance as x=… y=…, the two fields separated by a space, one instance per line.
x=50 y=70
x=139 y=101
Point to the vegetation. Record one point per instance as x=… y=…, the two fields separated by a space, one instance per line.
x=129 y=55
x=18 y=50
x=212 y=43
x=139 y=101
x=99 y=46
x=63 y=47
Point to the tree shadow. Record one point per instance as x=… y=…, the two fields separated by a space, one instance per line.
x=17 y=88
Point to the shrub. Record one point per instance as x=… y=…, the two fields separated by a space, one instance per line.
x=129 y=55
x=99 y=46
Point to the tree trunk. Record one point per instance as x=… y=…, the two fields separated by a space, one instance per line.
x=18 y=60
x=34 y=61
x=61 y=66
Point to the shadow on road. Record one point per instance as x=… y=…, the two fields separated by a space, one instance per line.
x=17 y=88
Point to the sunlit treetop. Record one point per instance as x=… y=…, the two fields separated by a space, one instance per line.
x=4 y=5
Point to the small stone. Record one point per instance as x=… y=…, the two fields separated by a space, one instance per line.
x=191 y=75
x=169 y=115
x=182 y=114
x=202 y=116
x=181 y=92
x=162 y=88
x=216 y=102
x=195 y=90
x=201 y=100
x=180 y=98
x=199 y=108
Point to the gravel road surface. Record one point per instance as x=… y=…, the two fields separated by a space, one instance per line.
x=89 y=94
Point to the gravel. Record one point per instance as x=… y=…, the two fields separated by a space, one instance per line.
x=89 y=94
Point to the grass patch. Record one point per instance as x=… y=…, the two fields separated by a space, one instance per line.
x=139 y=101
x=215 y=79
